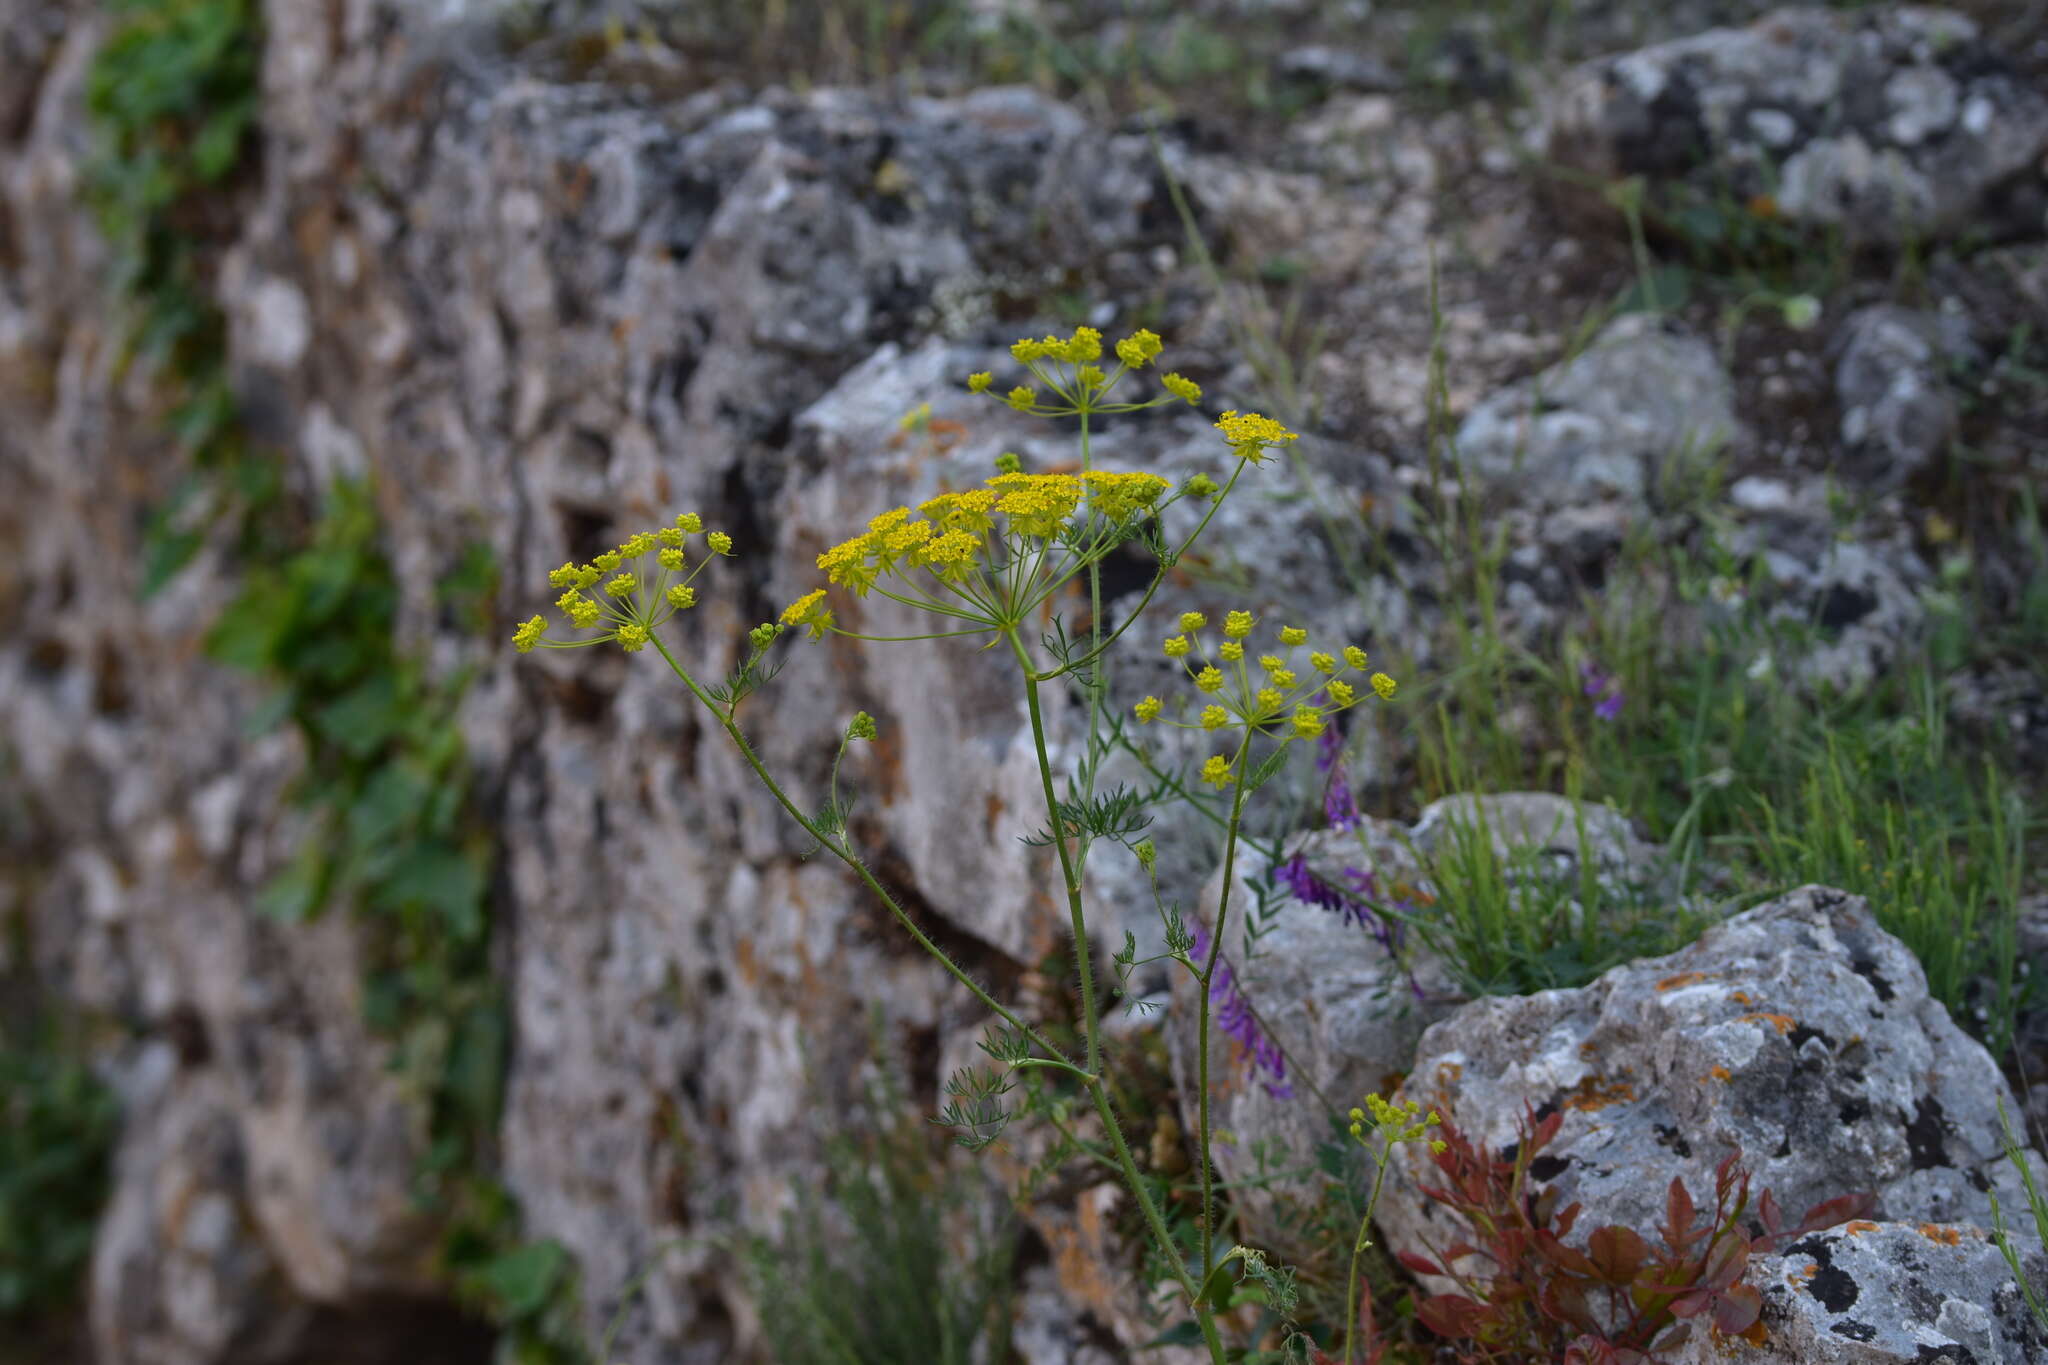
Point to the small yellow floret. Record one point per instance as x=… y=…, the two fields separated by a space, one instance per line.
x=1237 y=624
x=682 y=596
x=1217 y=772
x=1251 y=435
x=1185 y=389
x=1147 y=710
x=1340 y=692
x=1091 y=377
x=563 y=577
x=1209 y=679
x=632 y=638
x=671 y=536
x=1271 y=663
x=720 y=542
x=671 y=559
x=1021 y=398
x=1383 y=685
x=1293 y=635
x=1192 y=620
x=622 y=586
x=689 y=523
x=1355 y=656
x=1084 y=345
x=1283 y=678
x=607 y=561
x=1214 y=718
x=529 y=635
x=979 y=381
x=1322 y=663
x=809 y=610
x=1268 y=698
x=1231 y=651
x=1176 y=646
x=1137 y=349
x=637 y=544
x=1307 y=724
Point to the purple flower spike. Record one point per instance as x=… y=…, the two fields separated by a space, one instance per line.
x=1234 y=1017
x=1339 y=810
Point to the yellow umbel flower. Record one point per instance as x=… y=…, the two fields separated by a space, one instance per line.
x=582 y=612
x=1340 y=691
x=979 y=381
x=689 y=523
x=950 y=556
x=1022 y=398
x=564 y=577
x=1293 y=635
x=1307 y=723
x=607 y=561
x=1183 y=388
x=1147 y=710
x=809 y=611
x=1209 y=679
x=720 y=542
x=1085 y=345
x=1251 y=435
x=1176 y=646
x=1237 y=624
x=1217 y=772
x=529 y=635
x=637 y=544
x=1355 y=656
x=670 y=559
x=1214 y=718
x=1138 y=349
x=1232 y=651
x=622 y=586
x=1271 y=663
x=1383 y=685
x=1322 y=663
x=682 y=596
x=1192 y=620
x=632 y=638
x=1118 y=496
x=670 y=536
x=1268 y=699
x=1283 y=678
x=1037 y=504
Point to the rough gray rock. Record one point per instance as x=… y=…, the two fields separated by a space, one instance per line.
x=1336 y=1014
x=1798 y=1033
x=1892 y=124
x=1898 y=413
x=1642 y=400
x=1886 y=1294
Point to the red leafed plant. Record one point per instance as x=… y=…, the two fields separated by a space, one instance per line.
x=1620 y=1300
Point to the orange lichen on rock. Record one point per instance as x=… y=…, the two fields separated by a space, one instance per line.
x=1591 y=1096
x=1672 y=983
x=1783 y=1023
x=1857 y=1227
x=1716 y=1073
x=1741 y=997
x=1946 y=1236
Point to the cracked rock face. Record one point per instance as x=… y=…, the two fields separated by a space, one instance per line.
x=1870 y=1293
x=1898 y=413
x=1890 y=125
x=1797 y=1032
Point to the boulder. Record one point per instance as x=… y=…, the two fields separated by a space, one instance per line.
x=1890 y=125
x=1797 y=1033
x=1898 y=412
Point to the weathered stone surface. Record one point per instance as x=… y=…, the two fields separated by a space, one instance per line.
x=1797 y=1032
x=1898 y=413
x=1877 y=1293
x=1642 y=399
x=1891 y=125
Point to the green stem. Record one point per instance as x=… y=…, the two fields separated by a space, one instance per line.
x=860 y=869
x=1090 y=1021
x=1358 y=1246
x=1202 y=1004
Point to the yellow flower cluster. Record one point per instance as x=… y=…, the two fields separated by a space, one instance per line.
x=1251 y=435
x=1275 y=700
x=631 y=605
x=1397 y=1122
x=1066 y=365
x=953 y=537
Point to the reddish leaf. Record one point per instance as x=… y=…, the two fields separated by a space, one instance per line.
x=1545 y=1131
x=1421 y=1265
x=1840 y=1209
x=1726 y=1260
x=1450 y=1315
x=1767 y=1212
x=1565 y=1301
x=1677 y=1213
x=1693 y=1304
x=1736 y=1309
x=1617 y=1254
x=1558 y=1254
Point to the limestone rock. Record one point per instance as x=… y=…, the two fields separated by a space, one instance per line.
x=1643 y=397
x=1891 y=125
x=1898 y=413
x=1798 y=1032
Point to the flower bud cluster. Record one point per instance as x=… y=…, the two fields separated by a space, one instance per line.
x=628 y=605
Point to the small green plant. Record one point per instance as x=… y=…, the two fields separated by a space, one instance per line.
x=994 y=565
x=899 y=1288
x=2036 y=1204
x=57 y=1129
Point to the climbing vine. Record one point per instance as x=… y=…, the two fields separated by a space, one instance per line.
x=391 y=822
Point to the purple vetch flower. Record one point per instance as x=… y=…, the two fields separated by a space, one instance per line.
x=1339 y=810
x=1598 y=683
x=1330 y=743
x=1234 y=1017
x=1310 y=889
